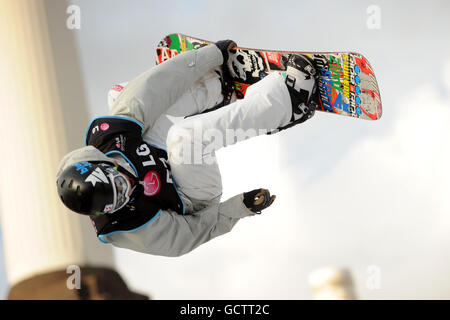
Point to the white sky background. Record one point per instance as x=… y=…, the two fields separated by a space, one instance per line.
x=350 y=192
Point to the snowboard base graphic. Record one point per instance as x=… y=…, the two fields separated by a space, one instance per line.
x=346 y=82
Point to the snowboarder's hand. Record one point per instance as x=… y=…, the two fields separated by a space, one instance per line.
x=258 y=200
x=225 y=46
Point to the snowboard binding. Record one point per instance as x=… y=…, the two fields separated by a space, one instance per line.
x=301 y=82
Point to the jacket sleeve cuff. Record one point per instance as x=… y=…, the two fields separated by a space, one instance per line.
x=235 y=207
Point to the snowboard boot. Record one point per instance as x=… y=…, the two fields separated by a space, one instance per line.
x=301 y=82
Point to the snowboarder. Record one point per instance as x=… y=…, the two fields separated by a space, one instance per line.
x=136 y=177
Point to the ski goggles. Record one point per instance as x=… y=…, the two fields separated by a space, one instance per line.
x=121 y=187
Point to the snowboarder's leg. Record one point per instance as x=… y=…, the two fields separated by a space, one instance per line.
x=271 y=104
x=267 y=106
x=194 y=169
x=205 y=94
x=198 y=181
x=191 y=143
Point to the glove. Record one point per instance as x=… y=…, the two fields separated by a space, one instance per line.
x=258 y=200
x=225 y=46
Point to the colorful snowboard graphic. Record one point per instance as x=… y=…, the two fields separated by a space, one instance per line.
x=346 y=85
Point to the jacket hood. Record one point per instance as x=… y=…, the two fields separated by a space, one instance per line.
x=88 y=153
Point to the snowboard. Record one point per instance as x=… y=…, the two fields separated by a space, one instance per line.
x=346 y=81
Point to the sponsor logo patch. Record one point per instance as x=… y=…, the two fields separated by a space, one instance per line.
x=117 y=88
x=108 y=208
x=120 y=142
x=97 y=176
x=82 y=167
x=152 y=183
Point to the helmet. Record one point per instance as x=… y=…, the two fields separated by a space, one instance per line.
x=93 y=188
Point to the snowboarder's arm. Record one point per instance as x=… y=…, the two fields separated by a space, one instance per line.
x=146 y=97
x=172 y=235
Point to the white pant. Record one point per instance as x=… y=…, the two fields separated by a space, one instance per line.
x=266 y=106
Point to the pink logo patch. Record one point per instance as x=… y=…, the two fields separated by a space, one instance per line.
x=117 y=88
x=152 y=183
x=104 y=126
